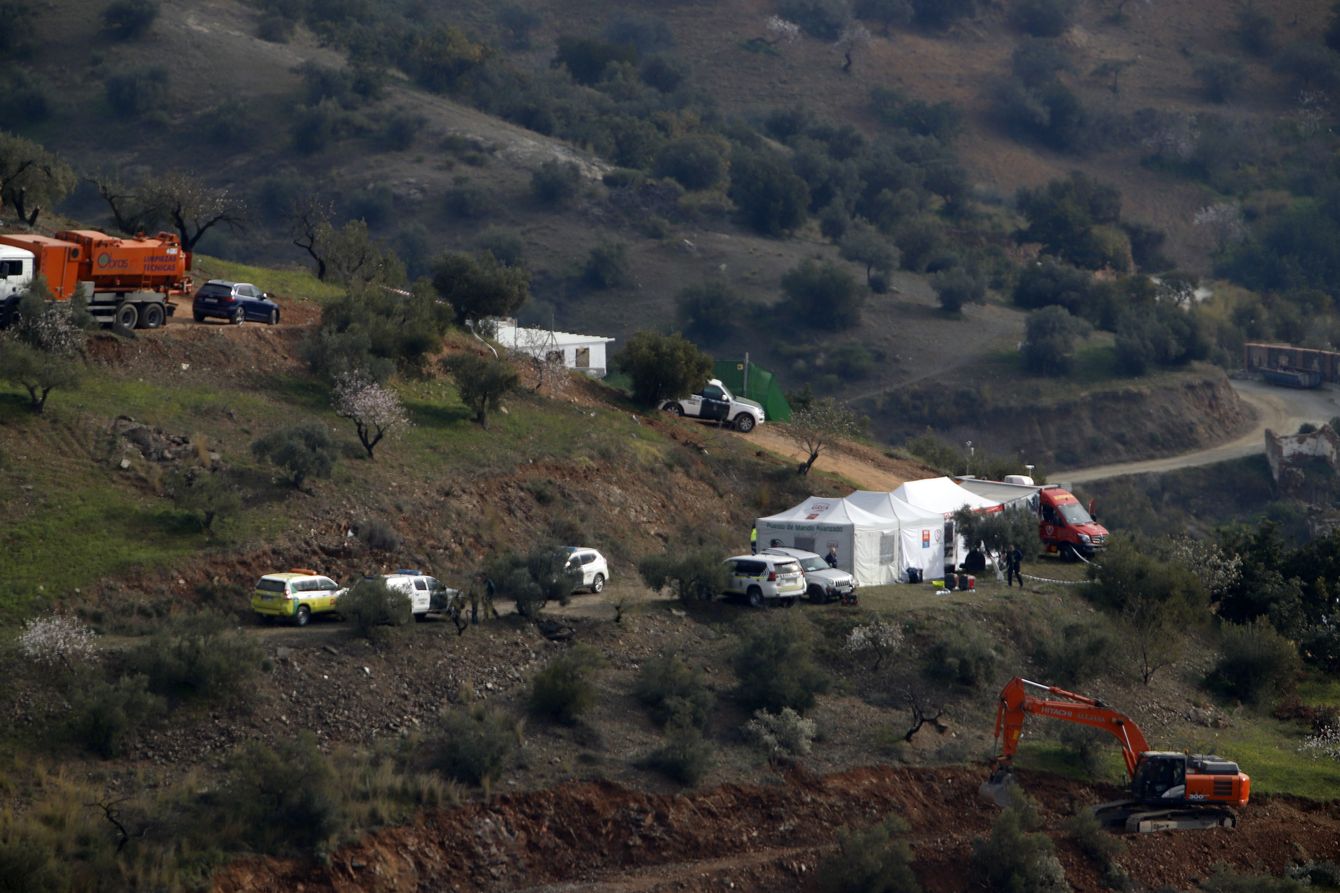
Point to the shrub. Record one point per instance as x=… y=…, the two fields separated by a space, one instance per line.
x=703 y=314
x=821 y=19
x=482 y=382
x=784 y=734
x=695 y=162
x=957 y=287
x=563 y=690
x=199 y=657
x=467 y=201
x=517 y=21
x=532 y=580
x=692 y=575
x=1256 y=664
x=1255 y=30
x=1016 y=856
x=1078 y=653
x=372 y=606
x=885 y=12
x=401 y=129
x=1042 y=18
x=770 y=197
x=555 y=183
x=1221 y=77
x=1049 y=341
x=474 y=746
x=662 y=367
x=663 y=74
x=506 y=245
x=824 y=295
x=132 y=93
x=607 y=266
x=104 y=716
x=587 y=59
x=670 y=689
x=129 y=19
x=280 y=800
x=872 y=860
x=685 y=757
x=1098 y=844
x=205 y=494
x=379 y=535
x=774 y=662
x=301 y=451
x=963 y=655
x=275 y=28
x=477 y=287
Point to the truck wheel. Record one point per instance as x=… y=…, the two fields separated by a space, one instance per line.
x=755 y=596
x=238 y=315
x=126 y=316
x=675 y=408
x=744 y=423
x=598 y=583
x=152 y=316
x=304 y=615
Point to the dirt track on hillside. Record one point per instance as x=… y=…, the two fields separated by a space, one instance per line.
x=599 y=836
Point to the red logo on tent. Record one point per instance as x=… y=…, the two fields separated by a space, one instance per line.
x=816 y=510
x=925 y=539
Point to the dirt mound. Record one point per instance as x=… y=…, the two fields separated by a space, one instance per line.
x=603 y=836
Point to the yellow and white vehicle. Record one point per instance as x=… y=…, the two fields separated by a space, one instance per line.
x=295 y=595
x=766 y=579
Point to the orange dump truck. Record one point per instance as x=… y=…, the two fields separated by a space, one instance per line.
x=130 y=281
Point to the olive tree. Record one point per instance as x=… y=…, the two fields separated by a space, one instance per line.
x=482 y=382
x=662 y=366
x=31 y=177
x=480 y=286
x=302 y=451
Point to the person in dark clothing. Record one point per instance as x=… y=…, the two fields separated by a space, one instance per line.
x=831 y=557
x=1014 y=560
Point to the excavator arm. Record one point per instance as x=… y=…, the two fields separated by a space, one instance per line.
x=1021 y=697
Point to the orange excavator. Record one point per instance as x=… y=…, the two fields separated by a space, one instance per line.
x=1169 y=790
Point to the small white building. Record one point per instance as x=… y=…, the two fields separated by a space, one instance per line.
x=585 y=353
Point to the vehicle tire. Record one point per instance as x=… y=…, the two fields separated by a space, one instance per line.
x=789 y=602
x=1068 y=552
x=598 y=584
x=675 y=408
x=274 y=318
x=817 y=595
x=126 y=316
x=303 y=617
x=755 y=596
x=744 y=423
x=152 y=316
x=421 y=617
x=199 y=317
x=238 y=316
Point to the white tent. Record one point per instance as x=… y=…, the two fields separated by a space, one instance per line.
x=867 y=544
x=920 y=531
x=946 y=497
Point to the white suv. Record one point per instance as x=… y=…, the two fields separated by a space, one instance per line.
x=715 y=403
x=822 y=583
x=588 y=567
x=425 y=593
x=765 y=578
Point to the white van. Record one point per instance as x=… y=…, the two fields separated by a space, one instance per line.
x=425 y=593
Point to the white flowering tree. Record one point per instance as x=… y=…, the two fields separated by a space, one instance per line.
x=375 y=409
x=879 y=639
x=1224 y=221
x=57 y=641
x=780 y=31
x=781 y=735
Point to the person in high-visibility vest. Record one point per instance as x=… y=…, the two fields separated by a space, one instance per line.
x=753 y=541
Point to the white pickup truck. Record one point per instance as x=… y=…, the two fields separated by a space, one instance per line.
x=714 y=403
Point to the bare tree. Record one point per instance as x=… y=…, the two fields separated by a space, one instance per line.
x=309 y=228
x=375 y=410
x=819 y=425
x=194 y=208
x=353 y=257
x=854 y=37
x=923 y=711
x=543 y=357
x=129 y=213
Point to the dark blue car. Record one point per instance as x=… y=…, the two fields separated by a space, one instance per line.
x=235 y=302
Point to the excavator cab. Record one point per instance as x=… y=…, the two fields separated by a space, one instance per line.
x=1160 y=778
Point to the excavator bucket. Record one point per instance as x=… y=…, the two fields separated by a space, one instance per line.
x=1000 y=789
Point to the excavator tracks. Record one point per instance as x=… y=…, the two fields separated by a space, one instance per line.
x=1134 y=817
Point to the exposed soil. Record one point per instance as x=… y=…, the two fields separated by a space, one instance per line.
x=601 y=836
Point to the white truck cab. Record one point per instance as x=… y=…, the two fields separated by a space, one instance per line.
x=425 y=593
x=16 y=272
x=715 y=403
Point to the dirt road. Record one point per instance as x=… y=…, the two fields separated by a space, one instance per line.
x=1280 y=409
x=863 y=466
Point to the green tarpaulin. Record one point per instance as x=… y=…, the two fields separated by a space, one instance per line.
x=762 y=387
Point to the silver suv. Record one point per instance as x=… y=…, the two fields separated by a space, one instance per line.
x=764 y=579
x=822 y=583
